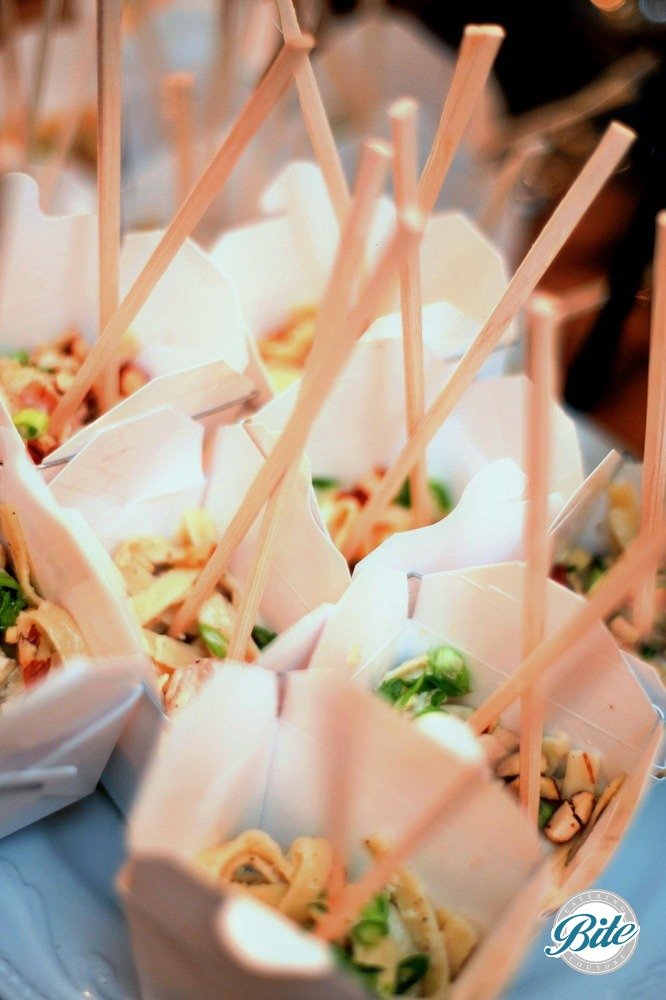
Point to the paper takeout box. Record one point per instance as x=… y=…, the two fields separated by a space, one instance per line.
x=56 y=738
x=364 y=64
x=283 y=261
x=63 y=89
x=592 y=694
x=60 y=89
x=585 y=519
x=190 y=332
x=256 y=752
x=584 y=523
x=477 y=454
x=140 y=477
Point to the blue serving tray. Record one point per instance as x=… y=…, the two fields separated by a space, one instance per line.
x=63 y=937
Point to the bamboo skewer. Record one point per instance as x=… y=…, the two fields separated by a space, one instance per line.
x=403 y=115
x=654 y=453
x=477 y=54
x=109 y=113
x=621 y=578
x=334 y=308
x=51 y=16
x=538 y=445
x=178 y=93
x=374 y=880
x=552 y=238
x=253 y=591
x=316 y=120
x=186 y=219
x=314 y=390
x=640 y=558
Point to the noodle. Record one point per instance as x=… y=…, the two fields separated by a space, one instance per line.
x=158 y=574
x=398 y=944
x=44 y=634
x=33 y=382
x=340 y=507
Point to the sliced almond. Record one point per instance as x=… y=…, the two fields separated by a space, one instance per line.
x=510 y=766
x=548 y=788
x=563 y=825
x=493 y=749
x=556 y=747
x=583 y=804
x=609 y=793
x=581 y=774
x=507 y=737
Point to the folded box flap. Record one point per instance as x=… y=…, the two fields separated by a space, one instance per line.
x=173 y=803
x=48 y=268
x=127 y=468
x=68 y=565
x=208 y=388
x=67 y=701
x=591 y=693
x=194 y=313
x=306 y=569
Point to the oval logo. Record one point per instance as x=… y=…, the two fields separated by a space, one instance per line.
x=595 y=932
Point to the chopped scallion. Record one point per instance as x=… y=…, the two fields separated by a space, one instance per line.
x=31 y=423
x=214 y=640
x=262 y=636
x=410 y=971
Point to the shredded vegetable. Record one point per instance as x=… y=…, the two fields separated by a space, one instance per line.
x=340 y=506
x=159 y=573
x=36 y=635
x=33 y=382
x=570 y=785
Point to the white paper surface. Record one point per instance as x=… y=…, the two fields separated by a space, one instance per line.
x=190 y=333
x=71 y=719
x=283 y=262
x=477 y=454
x=243 y=770
x=142 y=476
x=592 y=694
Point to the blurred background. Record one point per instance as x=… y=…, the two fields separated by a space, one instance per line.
x=566 y=68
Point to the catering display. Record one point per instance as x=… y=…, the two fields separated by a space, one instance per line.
x=277 y=523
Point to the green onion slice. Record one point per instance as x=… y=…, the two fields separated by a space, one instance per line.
x=31 y=423
x=214 y=640
x=410 y=971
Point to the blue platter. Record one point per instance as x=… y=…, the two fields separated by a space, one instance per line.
x=63 y=937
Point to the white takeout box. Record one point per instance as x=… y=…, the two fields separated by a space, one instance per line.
x=189 y=33
x=592 y=694
x=56 y=738
x=141 y=476
x=192 y=339
x=477 y=454
x=63 y=90
x=584 y=522
x=257 y=751
x=283 y=261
